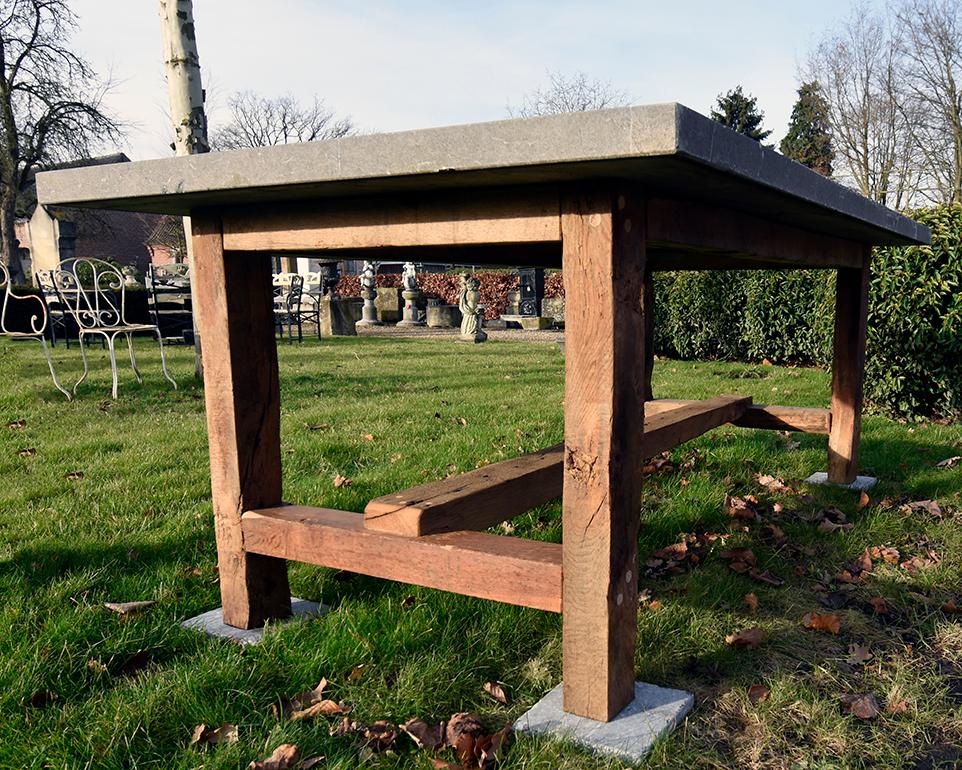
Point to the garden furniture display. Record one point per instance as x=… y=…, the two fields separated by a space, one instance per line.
x=609 y=197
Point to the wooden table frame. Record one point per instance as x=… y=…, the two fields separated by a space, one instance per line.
x=609 y=236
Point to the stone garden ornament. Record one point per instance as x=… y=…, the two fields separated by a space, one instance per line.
x=468 y=299
x=368 y=294
x=412 y=296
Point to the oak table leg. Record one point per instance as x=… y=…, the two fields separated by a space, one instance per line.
x=603 y=236
x=648 y=306
x=236 y=322
x=848 y=372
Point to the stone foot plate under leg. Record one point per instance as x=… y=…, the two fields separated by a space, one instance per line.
x=654 y=712
x=861 y=483
x=212 y=623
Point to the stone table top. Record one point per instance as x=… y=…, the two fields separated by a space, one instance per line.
x=668 y=148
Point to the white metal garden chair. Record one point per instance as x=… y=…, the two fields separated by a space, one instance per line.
x=95 y=295
x=36 y=322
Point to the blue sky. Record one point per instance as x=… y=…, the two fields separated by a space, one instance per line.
x=401 y=65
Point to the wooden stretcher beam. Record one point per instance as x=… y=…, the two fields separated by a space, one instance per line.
x=504 y=569
x=486 y=496
x=449 y=219
x=800 y=419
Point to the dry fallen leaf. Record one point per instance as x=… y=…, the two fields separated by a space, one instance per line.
x=42 y=698
x=740 y=508
x=226 y=733
x=461 y=724
x=341 y=481
x=74 y=475
x=858 y=654
x=948 y=462
x=863 y=706
x=886 y=554
x=927 y=506
x=752 y=601
x=879 y=605
x=326 y=708
x=378 y=736
x=496 y=691
x=829 y=623
x=26 y=452
x=747 y=637
x=368 y=437
x=425 y=736
x=17 y=424
x=284 y=757
x=863 y=501
x=897 y=706
x=952 y=607
x=128 y=608
x=757 y=693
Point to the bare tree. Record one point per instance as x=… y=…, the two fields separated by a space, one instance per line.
x=930 y=45
x=260 y=121
x=859 y=69
x=51 y=103
x=577 y=93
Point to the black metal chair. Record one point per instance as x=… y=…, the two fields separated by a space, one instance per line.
x=57 y=315
x=293 y=306
x=170 y=301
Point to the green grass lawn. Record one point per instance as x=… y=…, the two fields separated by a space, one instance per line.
x=83 y=687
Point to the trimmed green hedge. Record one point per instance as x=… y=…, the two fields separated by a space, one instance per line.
x=914 y=357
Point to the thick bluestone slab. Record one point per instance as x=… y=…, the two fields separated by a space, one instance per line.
x=668 y=147
x=861 y=483
x=212 y=623
x=630 y=735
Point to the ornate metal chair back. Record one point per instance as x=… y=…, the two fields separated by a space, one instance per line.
x=37 y=321
x=294 y=292
x=93 y=292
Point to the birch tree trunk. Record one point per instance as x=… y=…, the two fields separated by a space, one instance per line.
x=186 y=91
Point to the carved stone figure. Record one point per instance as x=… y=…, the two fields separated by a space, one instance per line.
x=471 y=314
x=368 y=294
x=411 y=316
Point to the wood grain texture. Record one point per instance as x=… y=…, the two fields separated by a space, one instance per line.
x=848 y=372
x=455 y=219
x=503 y=569
x=603 y=242
x=648 y=307
x=675 y=223
x=486 y=496
x=801 y=419
x=235 y=318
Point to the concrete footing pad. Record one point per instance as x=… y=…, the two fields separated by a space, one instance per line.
x=861 y=483
x=654 y=712
x=212 y=623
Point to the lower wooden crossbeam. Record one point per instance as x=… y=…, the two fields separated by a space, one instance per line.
x=505 y=569
x=492 y=494
x=800 y=419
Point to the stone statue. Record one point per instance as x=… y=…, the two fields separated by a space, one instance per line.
x=131 y=277
x=468 y=299
x=368 y=294
x=411 y=315
x=409 y=278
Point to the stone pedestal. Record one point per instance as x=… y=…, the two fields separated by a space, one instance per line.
x=533 y=323
x=339 y=317
x=411 y=315
x=444 y=316
x=369 y=309
x=388 y=304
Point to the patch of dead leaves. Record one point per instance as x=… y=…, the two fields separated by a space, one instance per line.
x=310 y=704
x=747 y=637
x=863 y=706
x=204 y=735
x=496 y=690
x=680 y=557
x=930 y=507
x=829 y=623
x=341 y=481
x=949 y=462
x=743 y=508
x=859 y=654
x=744 y=562
x=757 y=693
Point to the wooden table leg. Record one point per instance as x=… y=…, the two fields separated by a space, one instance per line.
x=604 y=265
x=236 y=322
x=848 y=371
